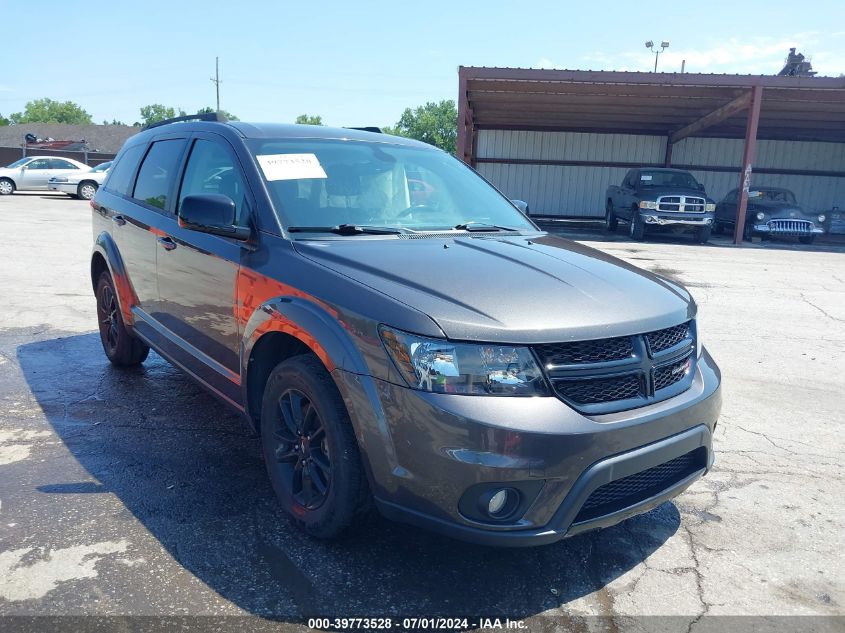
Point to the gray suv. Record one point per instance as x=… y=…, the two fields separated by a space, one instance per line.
x=399 y=333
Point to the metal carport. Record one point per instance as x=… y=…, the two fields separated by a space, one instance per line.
x=561 y=131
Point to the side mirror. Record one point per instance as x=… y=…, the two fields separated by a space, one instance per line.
x=211 y=213
x=521 y=205
x=700 y=187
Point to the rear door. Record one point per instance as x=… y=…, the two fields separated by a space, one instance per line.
x=197 y=272
x=61 y=166
x=140 y=219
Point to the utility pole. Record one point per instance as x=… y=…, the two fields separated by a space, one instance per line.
x=216 y=80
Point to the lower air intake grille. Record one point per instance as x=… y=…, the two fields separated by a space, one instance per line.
x=633 y=489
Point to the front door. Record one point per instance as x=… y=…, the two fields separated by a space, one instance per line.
x=197 y=272
x=35 y=174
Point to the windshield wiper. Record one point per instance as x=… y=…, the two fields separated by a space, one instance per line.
x=346 y=229
x=481 y=226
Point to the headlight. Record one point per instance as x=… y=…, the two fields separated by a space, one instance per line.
x=648 y=204
x=58 y=179
x=822 y=218
x=761 y=216
x=709 y=207
x=440 y=366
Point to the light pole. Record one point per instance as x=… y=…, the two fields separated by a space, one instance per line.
x=650 y=46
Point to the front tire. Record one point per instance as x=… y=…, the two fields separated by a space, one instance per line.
x=121 y=348
x=702 y=234
x=807 y=239
x=637 y=228
x=86 y=190
x=310 y=449
x=610 y=221
x=7 y=187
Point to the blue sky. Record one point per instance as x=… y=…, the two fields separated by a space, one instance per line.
x=362 y=63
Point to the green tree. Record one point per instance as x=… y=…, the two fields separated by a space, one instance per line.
x=308 y=119
x=434 y=123
x=208 y=109
x=156 y=112
x=4 y=120
x=50 y=111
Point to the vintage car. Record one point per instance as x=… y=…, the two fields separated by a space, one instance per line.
x=771 y=211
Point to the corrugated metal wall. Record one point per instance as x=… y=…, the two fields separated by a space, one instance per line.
x=579 y=190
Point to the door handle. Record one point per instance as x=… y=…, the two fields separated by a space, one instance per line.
x=118 y=219
x=167 y=243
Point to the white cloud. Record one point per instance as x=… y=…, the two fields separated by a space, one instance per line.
x=752 y=55
x=544 y=62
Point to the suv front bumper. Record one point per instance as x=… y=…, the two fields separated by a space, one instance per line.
x=427 y=451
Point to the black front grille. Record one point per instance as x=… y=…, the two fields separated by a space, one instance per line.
x=633 y=489
x=624 y=372
x=602 y=390
x=668 y=375
x=599 y=351
x=664 y=339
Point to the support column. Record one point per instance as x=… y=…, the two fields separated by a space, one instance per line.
x=747 y=160
x=466 y=133
x=667 y=162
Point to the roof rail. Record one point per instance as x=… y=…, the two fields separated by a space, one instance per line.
x=377 y=130
x=203 y=116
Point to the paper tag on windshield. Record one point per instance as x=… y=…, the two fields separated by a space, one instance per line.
x=290 y=166
x=645 y=177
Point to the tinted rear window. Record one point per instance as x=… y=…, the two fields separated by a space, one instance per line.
x=120 y=178
x=158 y=172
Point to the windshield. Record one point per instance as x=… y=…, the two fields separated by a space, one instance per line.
x=677 y=179
x=775 y=195
x=323 y=183
x=102 y=167
x=18 y=163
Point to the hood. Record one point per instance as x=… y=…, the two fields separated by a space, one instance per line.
x=513 y=289
x=777 y=209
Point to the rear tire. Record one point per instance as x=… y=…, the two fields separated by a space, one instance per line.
x=121 y=348
x=637 y=228
x=610 y=221
x=86 y=189
x=7 y=187
x=310 y=450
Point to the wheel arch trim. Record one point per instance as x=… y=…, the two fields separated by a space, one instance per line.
x=105 y=247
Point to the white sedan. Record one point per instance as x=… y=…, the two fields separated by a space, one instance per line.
x=33 y=173
x=80 y=185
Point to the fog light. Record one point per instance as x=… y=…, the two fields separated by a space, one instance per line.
x=497 y=502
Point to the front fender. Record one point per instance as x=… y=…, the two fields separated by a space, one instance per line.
x=309 y=322
x=106 y=247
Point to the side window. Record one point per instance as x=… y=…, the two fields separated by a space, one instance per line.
x=41 y=163
x=211 y=169
x=58 y=163
x=120 y=177
x=158 y=172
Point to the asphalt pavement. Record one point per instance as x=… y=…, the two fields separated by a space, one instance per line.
x=135 y=493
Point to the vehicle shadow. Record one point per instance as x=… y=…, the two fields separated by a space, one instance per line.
x=191 y=474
